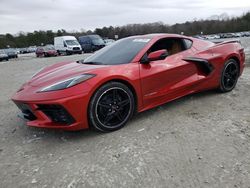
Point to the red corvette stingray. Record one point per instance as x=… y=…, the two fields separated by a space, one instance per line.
x=131 y=75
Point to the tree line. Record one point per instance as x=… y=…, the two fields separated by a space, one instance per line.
x=37 y=38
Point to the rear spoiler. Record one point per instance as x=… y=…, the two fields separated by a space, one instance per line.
x=218 y=43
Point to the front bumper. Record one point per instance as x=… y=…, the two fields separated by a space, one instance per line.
x=98 y=47
x=74 y=51
x=68 y=112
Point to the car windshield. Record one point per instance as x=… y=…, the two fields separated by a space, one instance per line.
x=72 y=42
x=120 y=52
x=97 y=40
x=49 y=47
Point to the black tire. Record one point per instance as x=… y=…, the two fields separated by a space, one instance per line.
x=229 y=76
x=111 y=107
x=68 y=53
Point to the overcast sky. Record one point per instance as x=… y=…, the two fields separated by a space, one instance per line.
x=30 y=15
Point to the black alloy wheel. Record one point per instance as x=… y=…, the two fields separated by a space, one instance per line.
x=229 y=76
x=111 y=107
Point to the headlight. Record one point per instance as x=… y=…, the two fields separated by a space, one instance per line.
x=68 y=83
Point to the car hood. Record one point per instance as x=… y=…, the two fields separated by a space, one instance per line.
x=60 y=72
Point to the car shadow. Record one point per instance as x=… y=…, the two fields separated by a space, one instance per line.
x=176 y=103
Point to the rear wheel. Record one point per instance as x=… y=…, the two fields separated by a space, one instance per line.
x=111 y=107
x=229 y=76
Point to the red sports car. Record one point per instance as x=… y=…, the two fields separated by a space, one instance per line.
x=131 y=75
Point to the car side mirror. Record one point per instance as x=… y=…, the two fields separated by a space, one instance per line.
x=157 y=55
x=154 y=56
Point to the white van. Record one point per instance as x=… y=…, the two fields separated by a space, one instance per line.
x=67 y=45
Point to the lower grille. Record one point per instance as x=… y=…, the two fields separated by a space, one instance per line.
x=76 y=48
x=26 y=111
x=56 y=113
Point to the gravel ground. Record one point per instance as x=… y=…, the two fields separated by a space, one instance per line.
x=202 y=140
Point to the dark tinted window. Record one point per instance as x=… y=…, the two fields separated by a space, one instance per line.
x=83 y=39
x=120 y=52
x=172 y=45
x=96 y=39
x=188 y=43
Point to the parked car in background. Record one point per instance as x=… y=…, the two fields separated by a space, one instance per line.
x=31 y=49
x=46 y=51
x=199 y=37
x=227 y=35
x=246 y=34
x=24 y=51
x=67 y=45
x=17 y=50
x=91 y=43
x=108 y=41
x=3 y=56
x=211 y=37
x=12 y=53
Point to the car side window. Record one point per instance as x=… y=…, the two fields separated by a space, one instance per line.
x=188 y=43
x=84 y=40
x=172 y=45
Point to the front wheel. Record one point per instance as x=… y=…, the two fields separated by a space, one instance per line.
x=229 y=76
x=111 y=107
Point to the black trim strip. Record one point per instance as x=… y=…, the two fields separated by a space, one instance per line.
x=208 y=67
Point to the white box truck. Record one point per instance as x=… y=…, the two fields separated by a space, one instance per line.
x=67 y=45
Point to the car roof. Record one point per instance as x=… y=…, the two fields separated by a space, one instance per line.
x=160 y=35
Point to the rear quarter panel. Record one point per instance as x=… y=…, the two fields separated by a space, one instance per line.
x=225 y=51
x=217 y=55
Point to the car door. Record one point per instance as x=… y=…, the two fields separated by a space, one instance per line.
x=85 y=43
x=165 y=80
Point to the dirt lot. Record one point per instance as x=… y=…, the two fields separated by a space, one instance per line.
x=201 y=140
